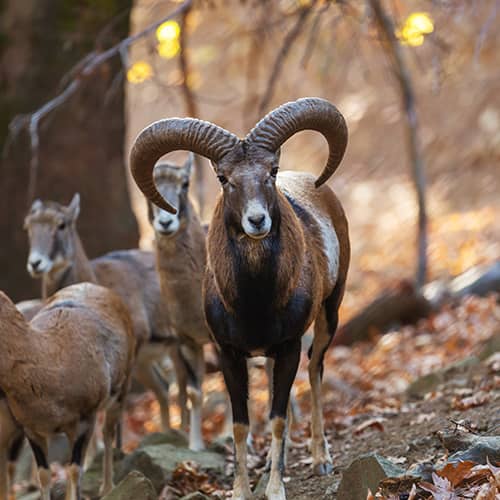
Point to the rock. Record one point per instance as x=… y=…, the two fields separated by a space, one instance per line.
x=159 y=461
x=430 y=382
x=92 y=477
x=260 y=488
x=365 y=473
x=195 y=496
x=491 y=347
x=466 y=446
x=173 y=436
x=134 y=486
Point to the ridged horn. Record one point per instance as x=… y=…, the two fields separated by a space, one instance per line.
x=164 y=136
x=308 y=113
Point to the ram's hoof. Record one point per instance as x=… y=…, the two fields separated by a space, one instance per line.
x=322 y=469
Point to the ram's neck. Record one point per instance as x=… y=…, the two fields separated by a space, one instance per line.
x=256 y=277
x=184 y=253
x=78 y=270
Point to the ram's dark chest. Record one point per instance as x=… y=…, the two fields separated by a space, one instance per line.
x=256 y=327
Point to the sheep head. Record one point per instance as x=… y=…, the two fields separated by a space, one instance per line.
x=246 y=168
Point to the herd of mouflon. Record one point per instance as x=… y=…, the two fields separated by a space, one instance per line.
x=273 y=262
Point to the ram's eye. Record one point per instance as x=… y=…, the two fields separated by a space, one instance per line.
x=222 y=179
x=61 y=226
x=274 y=172
x=185 y=184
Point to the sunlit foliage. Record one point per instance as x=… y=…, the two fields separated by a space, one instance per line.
x=416 y=26
x=167 y=35
x=139 y=72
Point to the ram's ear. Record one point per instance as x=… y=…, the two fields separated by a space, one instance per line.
x=74 y=207
x=36 y=205
x=188 y=165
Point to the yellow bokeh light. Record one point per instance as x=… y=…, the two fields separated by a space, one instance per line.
x=139 y=72
x=168 y=48
x=416 y=26
x=168 y=31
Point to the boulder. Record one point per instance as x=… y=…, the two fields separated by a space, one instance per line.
x=173 y=436
x=134 y=486
x=364 y=473
x=158 y=462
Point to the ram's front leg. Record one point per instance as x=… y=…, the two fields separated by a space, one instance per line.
x=234 y=369
x=285 y=368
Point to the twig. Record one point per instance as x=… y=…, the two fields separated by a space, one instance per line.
x=393 y=48
x=484 y=30
x=191 y=107
x=465 y=425
x=313 y=36
x=86 y=68
x=288 y=42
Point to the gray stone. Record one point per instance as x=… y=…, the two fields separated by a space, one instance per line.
x=490 y=347
x=158 y=462
x=135 y=486
x=92 y=477
x=173 y=436
x=195 y=496
x=430 y=382
x=365 y=473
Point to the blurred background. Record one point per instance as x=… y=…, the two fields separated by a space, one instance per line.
x=231 y=62
x=419 y=85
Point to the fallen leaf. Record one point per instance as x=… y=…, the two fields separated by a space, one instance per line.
x=441 y=489
x=456 y=473
x=371 y=423
x=478 y=399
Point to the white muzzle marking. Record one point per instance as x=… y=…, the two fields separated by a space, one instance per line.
x=256 y=221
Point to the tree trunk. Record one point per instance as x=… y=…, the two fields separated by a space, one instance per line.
x=81 y=142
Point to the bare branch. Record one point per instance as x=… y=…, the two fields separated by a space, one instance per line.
x=288 y=42
x=393 y=48
x=485 y=29
x=191 y=106
x=313 y=36
x=82 y=70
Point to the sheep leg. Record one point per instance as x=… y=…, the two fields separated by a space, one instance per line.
x=195 y=394
x=150 y=377
x=194 y=363
x=111 y=420
x=286 y=363
x=322 y=460
x=181 y=375
x=79 y=447
x=39 y=445
x=4 y=474
x=234 y=369
x=14 y=451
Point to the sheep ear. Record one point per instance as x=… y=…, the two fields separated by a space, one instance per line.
x=188 y=166
x=74 y=207
x=36 y=205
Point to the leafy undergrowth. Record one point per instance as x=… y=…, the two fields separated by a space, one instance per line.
x=367 y=409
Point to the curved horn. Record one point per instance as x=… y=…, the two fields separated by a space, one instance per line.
x=310 y=113
x=164 y=136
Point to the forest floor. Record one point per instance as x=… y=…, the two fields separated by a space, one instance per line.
x=389 y=396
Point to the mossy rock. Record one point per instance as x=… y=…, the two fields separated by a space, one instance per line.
x=135 y=486
x=158 y=462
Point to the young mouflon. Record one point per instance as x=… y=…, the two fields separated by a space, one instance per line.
x=72 y=360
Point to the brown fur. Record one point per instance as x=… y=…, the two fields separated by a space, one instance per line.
x=129 y=273
x=73 y=359
x=181 y=261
